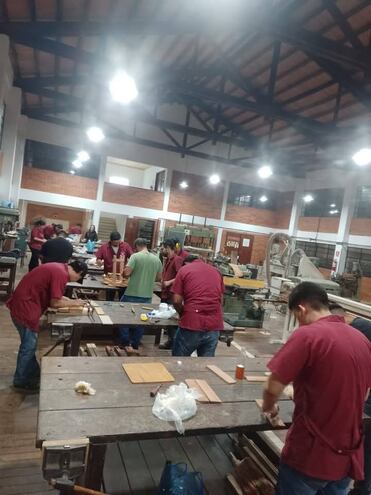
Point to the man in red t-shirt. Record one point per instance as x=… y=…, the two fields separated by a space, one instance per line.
x=42 y=287
x=75 y=229
x=37 y=239
x=330 y=367
x=171 y=267
x=198 y=297
x=115 y=247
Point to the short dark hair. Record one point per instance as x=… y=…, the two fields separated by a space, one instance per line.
x=39 y=222
x=190 y=258
x=115 y=236
x=58 y=226
x=140 y=242
x=170 y=243
x=79 y=266
x=62 y=233
x=309 y=293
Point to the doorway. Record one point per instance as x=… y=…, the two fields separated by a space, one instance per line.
x=239 y=247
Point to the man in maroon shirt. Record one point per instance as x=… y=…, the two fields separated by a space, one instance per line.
x=179 y=251
x=75 y=229
x=198 y=297
x=105 y=254
x=171 y=267
x=42 y=287
x=330 y=367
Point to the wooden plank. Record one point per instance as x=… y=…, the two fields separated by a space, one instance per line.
x=174 y=452
x=201 y=462
x=256 y=378
x=147 y=372
x=202 y=397
x=115 y=481
x=140 y=479
x=216 y=454
x=105 y=320
x=154 y=457
x=99 y=310
x=91 y=350
x=208 y=391
x=224 y=376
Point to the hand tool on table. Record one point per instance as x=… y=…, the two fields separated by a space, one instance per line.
x=133 y=309
x=67 y=487
x=155 y=390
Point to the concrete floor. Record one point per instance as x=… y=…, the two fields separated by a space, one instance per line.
x=20 y=462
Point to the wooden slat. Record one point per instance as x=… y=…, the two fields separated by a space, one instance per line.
x=208 y=391
x=256 y=378
x=201 y=397
x=147 y=372
x=224 y=376
x=115 y=481
x=140 y=479
x=154 y=457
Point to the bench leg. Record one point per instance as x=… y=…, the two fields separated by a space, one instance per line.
x=94 y=469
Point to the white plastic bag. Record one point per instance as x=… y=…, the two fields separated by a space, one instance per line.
x=164 y=312
x=176 y=404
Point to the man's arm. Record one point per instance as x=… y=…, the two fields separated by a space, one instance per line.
x=272 y=391
x=127 y=271
x=178 y=303
x=65 y=302
x=159 y=276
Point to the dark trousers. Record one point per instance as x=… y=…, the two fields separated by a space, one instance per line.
x=28 y=369
x=35 y=257
x=364 y=487
x=188 y=341
x=112 y=293
x=131 y=336
x=170 y=332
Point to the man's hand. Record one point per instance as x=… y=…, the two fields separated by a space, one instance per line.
x=76 y=302
x=273 y=412
x=166 y=283
x=99 y=262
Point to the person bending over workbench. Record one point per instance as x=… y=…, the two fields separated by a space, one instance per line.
x=57 y=250
x=198 y=298
x=105 y=254
x=364 y=326
x=330 y=367
x=143 y=268
x=171 y=267
x=39 y=289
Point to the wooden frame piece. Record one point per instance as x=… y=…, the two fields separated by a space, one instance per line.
x=221 y=374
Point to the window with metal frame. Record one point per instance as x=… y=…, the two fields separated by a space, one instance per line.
x=325 y=252
x=363 y=202
x=326 y=203
x=361 y=256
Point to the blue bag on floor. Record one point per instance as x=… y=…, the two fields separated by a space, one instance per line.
x=176 y=480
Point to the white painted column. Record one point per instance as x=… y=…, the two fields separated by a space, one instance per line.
x=22 y=205
x=165 y=206
x=100 y=188
x=10 y=134
x=342 y=238
x=296 y=212
x=18 y=161
x=222 y=217
x=6 y=72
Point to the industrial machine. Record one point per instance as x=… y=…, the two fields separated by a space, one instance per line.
x=241 y=309
x=195 y=239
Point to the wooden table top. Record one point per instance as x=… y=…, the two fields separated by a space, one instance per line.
x=121 y=410
x=92 y=281
x=120 y=314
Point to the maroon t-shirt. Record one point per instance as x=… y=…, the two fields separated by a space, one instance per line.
x=39 y=233
x=48 y=231
x=201 y=286
x=330 y=366
x=171 y=268
x=35 y=291
x=106 y=253
x=75 y=230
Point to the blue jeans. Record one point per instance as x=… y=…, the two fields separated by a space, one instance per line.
x=188 y=341
x=292 y=482
x=364 y=487
x=28 y=370
x=132 y=336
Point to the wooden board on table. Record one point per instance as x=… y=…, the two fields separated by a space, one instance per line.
x=221 y=374
x=147 y=372
x=206 y=393
x=105 y=320
x=256 y=378
x=99 y=310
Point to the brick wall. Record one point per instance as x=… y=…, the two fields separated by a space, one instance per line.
x=259 y=245
x=200 y=198
x=318 y=224
x=73 y=216
x=366 y=289
x=361 y=226
x=56 y=182
x=134 y=196
x=279 y=219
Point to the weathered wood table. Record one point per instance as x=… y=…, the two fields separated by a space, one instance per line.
x=91 y=282
x=122 y=411
x=121 y=315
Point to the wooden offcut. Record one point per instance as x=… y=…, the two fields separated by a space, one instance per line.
x=147 y=372
x=193 y=384
x=206 y=393
x=256 y=378
x=221 y=374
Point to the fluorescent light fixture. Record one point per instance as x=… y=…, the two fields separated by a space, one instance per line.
x=263 y=199
x=77 y=164
x=72 y=172
x=183 y=184
x=332 y=205
x=123 y=88
x=333 y=212
x=265 y=171
x=308 y=198
x=83 y=156
x=214 y=179
x=122 y=181
x=362 y=157
x=95 y=134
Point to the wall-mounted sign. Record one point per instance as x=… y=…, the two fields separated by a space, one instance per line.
x=233 y=244
x=246 y=243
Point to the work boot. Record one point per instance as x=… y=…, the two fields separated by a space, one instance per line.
x=168 y=345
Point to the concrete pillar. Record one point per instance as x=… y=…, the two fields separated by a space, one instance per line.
x=296 y=212
x=18 y=161
x=100 y=189
x=10 y=136
x=222 y=217
x=342 y=238
x=169 y=178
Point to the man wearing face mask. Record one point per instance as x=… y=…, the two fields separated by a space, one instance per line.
x=330 y=367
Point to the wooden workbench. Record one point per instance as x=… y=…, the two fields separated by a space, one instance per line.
x=122 y=411
x=91 y=282
x=121 y=315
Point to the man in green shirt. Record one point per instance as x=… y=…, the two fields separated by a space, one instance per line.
x=143 y=268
